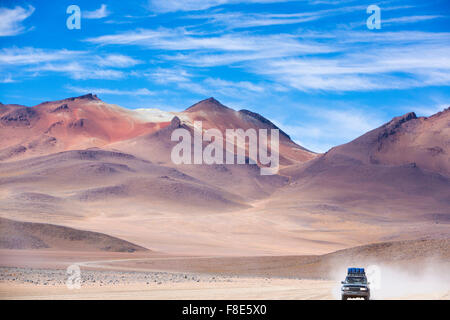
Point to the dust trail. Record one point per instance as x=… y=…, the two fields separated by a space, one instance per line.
x=394 y=282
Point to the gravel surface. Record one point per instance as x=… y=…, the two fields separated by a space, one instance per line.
x=89 y=277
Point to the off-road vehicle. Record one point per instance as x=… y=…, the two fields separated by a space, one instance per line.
x=355 y=284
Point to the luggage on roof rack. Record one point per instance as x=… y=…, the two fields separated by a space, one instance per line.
x=356 y=271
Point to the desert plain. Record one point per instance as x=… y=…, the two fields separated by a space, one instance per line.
x=90 y=184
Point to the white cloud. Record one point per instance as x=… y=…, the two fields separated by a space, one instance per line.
x=233 y=20
x=239 y=85
x=140 y=37
x=192 y=5
x=134 y=92
x=7 y=79
x=184 y=80
x=347 y=38
x=328 y=127
x=427 y=111
x=395 y=60
x=400 y=65
x=284 y=50
x=409 y=19
x=117 y=60
x=180 y=39
x=29 y=55
x=11 y=20
x=100 y=13
x=215 y=50
x=79 y=71
x=361 y=61
x=174 y=75
x=195 y=88
x=224 y=88
x=398 y=20
x=76 y=64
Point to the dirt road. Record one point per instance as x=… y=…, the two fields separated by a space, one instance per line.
x=41 y=274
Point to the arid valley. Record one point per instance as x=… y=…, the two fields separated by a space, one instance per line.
x=91 y=184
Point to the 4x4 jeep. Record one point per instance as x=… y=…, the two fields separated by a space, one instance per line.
x=355 y=284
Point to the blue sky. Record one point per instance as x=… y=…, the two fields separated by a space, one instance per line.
x=311 y=66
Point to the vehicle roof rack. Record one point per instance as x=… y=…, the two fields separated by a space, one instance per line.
x=356 y=271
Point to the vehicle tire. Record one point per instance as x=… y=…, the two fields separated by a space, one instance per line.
x=344 y=298
x=366 y=298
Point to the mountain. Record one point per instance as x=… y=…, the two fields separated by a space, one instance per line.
x=405 y=140
x=90 y=165
x=95 y=166
x=26 y=235
x=86 y=121
x=215 y=115
x=407 y=144
x=69 y=124
x=391 y=183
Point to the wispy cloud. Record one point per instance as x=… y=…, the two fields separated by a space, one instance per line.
x=224 y=88
x=210 y=50
x=427 y=110
x=327 y=127
x=406 y=66
x=11 y=20
x=234 y=20
x=399 y=20
x=76 y=64
x=30 y=55
x=193 y=5
x=117 y=60
x=79 y=71
x=181 y=39
x=208 y=86
x=410 y=19
x=100 y=13
x=235 y=85
x=360 y=61
x=134 y=92
x=7 y=79
x=164 y=76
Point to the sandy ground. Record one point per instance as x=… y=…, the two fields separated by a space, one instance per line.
x=155 y=286
x=167 y=286
x=42 y=275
